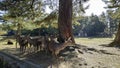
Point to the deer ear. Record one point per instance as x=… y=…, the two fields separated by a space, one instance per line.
x=69 y=38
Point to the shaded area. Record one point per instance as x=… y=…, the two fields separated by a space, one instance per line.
x=44 y=59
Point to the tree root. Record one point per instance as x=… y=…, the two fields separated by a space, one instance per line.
x=114 y=44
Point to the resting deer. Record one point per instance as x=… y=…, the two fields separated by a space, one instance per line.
x=55 y=48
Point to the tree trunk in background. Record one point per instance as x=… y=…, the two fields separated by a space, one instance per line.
x=116 y=41
x=65 y=20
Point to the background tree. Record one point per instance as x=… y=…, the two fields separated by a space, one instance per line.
x=115 y=15
x=90 y=26
x=20 y=11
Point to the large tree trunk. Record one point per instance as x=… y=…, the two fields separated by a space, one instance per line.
x=116 y=41
x=65 y=20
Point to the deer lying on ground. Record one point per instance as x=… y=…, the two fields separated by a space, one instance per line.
x=22 y=42
x=55 y=48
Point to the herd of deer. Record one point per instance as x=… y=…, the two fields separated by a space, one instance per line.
x=38 y=43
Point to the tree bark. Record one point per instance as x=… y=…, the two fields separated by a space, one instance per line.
x=65 y=20
x=116 y=41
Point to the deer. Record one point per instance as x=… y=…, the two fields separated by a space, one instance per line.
x=22 y=42
x=36 y=42
x=46 y=42
x=55 y=48
x=40 y=43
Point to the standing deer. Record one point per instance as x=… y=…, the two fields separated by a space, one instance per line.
x=22 y=42
x=36 y=42
x=55 y=48
x=46 y=43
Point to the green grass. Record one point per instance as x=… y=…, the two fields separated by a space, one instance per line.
x=2 y=32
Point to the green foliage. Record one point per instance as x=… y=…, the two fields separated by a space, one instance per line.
x=40 y=31
x=20 y=8
x=113 y=13
x=114 y=8
x=92 y=26
x=95 y=29
x=112 y=3
x=43 y=31
x=6 y=26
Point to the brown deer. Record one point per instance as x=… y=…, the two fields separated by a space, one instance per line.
x=46 y=43
x=36 y=42
x=22 y=42
x=40 y=43
x=55 y=48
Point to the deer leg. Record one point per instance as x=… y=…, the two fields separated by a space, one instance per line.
x=37 y=47
x=25 y=48
x=30 y=48
x=54 y=54
x=20 y=48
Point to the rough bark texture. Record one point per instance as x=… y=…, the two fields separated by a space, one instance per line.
x=65 y=20
x=116 y=41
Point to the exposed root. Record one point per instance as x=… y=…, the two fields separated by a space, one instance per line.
x=114 y=44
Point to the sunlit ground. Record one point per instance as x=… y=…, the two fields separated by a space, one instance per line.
x=8 y=48
x=82 y=41
x=93 y=41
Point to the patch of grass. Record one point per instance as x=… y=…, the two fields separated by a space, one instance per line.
x=2 y=32
x=93 y=41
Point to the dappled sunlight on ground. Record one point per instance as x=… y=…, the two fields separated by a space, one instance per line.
x=96 y=55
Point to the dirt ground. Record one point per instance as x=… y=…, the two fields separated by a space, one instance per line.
x=100 y=56
x=93 y=53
